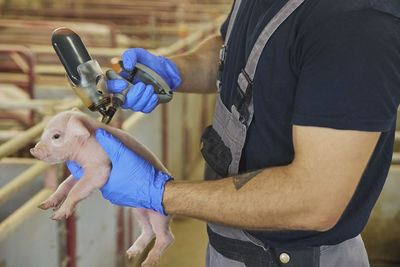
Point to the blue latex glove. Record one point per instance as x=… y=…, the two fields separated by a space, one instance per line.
x=141 y=97
x=133 y=181
x=75 y=169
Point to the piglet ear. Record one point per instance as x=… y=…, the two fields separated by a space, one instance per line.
x=76 y=128
x=75 y=109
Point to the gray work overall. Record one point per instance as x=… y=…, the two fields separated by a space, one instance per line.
x=222 y=148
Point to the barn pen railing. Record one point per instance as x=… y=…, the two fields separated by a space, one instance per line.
x=46 y=108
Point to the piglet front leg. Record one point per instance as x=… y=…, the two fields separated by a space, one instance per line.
x=91 y=180
x=61 y=193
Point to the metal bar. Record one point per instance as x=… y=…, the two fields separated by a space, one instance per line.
x=42 y=105
x=192 y=39
x=134 y=119
x=16 y=160
x=22 y=140
x=396 y=158
x=35 y=104
x=104 y=13
x=6 y=135
x=70 y=225
x=185 y=137
x=164 y=135
x=120 y=237
x=130 y=226
x=70 y=234
x=75 y=103
x=12 y=222
x=8 y=190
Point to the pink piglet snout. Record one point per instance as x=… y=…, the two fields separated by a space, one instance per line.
x=39 y=151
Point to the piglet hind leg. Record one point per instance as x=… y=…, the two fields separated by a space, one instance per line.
x=145 y=237
x=164 y=237
x=61 y=193
x=82 y=189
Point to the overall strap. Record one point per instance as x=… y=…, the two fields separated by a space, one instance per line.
x=222 y=51
x=244 y=101
x=232 y=20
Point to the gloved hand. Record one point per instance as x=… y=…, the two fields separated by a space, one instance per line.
x=141 y=97
x=133 y=181
x=75 y=169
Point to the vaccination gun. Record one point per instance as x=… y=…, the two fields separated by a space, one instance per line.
x=88 y=81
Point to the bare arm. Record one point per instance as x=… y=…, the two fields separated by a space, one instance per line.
x=309 y=194
x=198 y=68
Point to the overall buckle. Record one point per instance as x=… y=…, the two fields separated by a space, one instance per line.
x=222 y=57
x=222 y=53
x=242 y=99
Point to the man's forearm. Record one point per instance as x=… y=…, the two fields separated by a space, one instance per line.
x=311 y=193
x=273 y=199
x=198 y=68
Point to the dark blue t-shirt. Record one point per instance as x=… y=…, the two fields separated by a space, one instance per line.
x=333 y=63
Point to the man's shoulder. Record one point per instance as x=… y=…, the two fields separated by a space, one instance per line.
x=340 y=18
x=316 y=12
x=390 y=7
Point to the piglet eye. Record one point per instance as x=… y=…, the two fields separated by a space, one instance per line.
x=56 y=136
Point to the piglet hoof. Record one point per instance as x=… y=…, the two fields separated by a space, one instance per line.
x=150 y=262
x=133 y=253
x=50 y=203
x=44 y=205
x=56 y=217
x=59 y=214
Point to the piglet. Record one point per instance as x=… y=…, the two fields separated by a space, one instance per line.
x=70 y=136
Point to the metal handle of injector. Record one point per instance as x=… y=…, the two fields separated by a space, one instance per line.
x=146 y=75
x=149 y=76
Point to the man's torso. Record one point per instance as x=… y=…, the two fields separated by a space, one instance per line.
x=278 y=104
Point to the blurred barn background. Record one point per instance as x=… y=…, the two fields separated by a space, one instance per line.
x=33 y=86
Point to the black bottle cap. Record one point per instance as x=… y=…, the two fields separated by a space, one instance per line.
x=71 y=51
